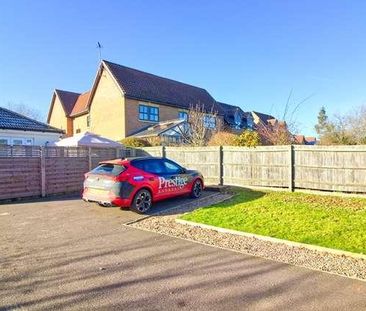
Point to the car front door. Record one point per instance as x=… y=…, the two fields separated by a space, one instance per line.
x=173 y=181
x=153 y=170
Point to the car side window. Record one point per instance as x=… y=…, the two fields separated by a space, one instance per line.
x=171 y=167
x=153 y=166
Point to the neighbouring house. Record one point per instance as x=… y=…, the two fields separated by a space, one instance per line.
x=168 y=132
x=124 y=101
x=69 y=111
x=304 y=140
x=271 y=130
x=235 y=119
x=267 y=120
x=263 y=118
x=310 y=140
x=16 y=129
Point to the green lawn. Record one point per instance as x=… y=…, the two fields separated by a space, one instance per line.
x=329 y=221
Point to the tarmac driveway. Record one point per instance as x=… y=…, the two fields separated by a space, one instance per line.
x=67 y=254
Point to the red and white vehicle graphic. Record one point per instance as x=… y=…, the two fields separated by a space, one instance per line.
x=138 y=182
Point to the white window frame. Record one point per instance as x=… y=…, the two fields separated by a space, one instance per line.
x=26 y=141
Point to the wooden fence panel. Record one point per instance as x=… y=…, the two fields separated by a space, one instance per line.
x=335 y=168
x=150 y=151
x=20 y=177
x=260 y=166
x=65 y=174
x=103 y=154
x=204 y=159
x=64 y=168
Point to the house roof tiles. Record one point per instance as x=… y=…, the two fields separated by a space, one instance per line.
x=148 y=87
x=11 y=120
x=140 y=85
x=81 y=104
x=264 y=117
x=68 y=100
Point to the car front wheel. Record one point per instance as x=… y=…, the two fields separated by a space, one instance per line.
x=196 y=189
x=142 y=201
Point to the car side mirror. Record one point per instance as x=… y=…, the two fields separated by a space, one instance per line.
x=183 y=170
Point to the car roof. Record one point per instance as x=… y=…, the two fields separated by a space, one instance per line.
x=129 y=160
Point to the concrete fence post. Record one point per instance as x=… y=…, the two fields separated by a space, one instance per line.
x=43 y=171
x=221 y=166
x=291 y=167
x=90 y=158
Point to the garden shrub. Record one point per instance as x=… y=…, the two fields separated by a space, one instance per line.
x=222 y=139
x=248 y=139
x=135 y=142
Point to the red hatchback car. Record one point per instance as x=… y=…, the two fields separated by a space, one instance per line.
x=138 y=182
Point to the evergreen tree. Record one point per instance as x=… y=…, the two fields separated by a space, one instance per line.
x=323 y=125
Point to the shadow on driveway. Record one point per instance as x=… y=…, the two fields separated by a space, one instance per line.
x=68 y=255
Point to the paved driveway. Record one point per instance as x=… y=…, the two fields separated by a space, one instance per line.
x=67 y=254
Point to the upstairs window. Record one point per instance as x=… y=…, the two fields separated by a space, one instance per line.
x=209 y=121
x=182 y=115
x=148 y=113
x=250 y=122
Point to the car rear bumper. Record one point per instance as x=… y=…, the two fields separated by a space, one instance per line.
x=107 y=198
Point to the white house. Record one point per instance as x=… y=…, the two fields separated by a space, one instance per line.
x=16 y=129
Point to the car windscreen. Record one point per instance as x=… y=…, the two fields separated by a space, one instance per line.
x=108 y=169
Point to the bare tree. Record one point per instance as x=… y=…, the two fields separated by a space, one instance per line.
x=348 y=129
x=274 y=133
x=25 y=110
x=281 y=132
x=356 y=124
x=200 y=126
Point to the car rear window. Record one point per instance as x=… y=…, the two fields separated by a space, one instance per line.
x=108 y=169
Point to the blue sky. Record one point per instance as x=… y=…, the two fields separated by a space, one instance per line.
x=245 y=53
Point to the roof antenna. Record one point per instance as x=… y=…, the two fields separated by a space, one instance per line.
x=99 y=47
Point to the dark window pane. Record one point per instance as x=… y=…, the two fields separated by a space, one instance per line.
x=153 y=166
x=172 y=168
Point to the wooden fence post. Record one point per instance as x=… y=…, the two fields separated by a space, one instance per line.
x=90 y=158
x=291 y=167
x=43 y=171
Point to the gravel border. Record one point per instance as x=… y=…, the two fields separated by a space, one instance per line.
x=165 y=223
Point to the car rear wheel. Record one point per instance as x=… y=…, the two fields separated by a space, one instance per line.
x=142 y=201
x=196 y=189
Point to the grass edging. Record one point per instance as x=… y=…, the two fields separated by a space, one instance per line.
x=273 y=240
